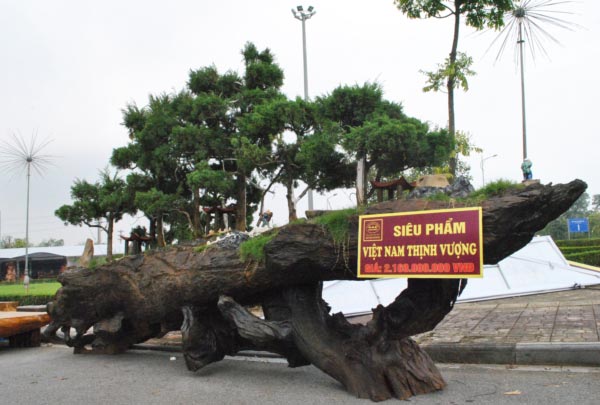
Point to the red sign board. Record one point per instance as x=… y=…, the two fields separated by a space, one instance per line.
x=426 y=244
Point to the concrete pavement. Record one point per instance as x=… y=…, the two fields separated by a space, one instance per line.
x=54 y=375
x=560 y=328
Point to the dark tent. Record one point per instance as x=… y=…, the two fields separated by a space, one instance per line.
x=42 y=265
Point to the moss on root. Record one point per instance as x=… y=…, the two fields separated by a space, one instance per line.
x=254 y=248
x=337 y=223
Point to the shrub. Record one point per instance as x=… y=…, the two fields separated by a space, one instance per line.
x=577 y=249
x=591 y=257
x=578 y=242
x=28 y=299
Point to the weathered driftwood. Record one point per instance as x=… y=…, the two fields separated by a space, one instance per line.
x=22 y=328
x=136 y=298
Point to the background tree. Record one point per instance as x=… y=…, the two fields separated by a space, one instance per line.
x=263 y=79
x=393 y=145
x=150 y=154
x=304 y=149
x=98 y=205
x=381 y=138
x=595 y=217
x=478 y=14
x=463 y=147
x=350 y=107
x=190 y=147
x=51 y=242
x=596 y=202
x=558 y=228
x=8 y=242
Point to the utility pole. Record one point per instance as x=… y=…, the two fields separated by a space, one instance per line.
x=302 y=15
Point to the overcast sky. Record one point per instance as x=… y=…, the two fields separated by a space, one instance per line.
x=68 y=68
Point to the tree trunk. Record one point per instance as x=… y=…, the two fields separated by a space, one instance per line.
x=240 y=212
x=152 y=230
x=109 y=237
x=196 y=231
x=452 y=83
x=160 y=231
x=291 y=201
x=360 y=182
x=136 y=298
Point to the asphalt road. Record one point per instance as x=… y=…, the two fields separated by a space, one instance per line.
x=53 y=375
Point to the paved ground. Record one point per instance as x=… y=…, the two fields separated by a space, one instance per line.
x=568 y=316
x=54 y=375
x=556 y=328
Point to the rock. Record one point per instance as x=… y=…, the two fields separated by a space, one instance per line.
x=88 y=253
x=432 y=180
x=232 y=240
x=461 y=188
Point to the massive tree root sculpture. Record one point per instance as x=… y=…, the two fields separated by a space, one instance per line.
x=203 y=293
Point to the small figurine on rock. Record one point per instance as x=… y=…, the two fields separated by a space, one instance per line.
x=526 y=169
x=265 y=218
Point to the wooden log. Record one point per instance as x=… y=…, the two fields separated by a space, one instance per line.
x=22 y=329
x=8 y=305
x=140 y=297
x=32 y=338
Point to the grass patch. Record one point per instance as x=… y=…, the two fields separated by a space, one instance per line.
x=495 y=189
x=440 y=196
x=253 y=248
x=39 y=293
x=201 y=248
x=337 y=223
x=47 y=288
x=101 y=261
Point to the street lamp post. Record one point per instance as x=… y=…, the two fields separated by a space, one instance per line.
x=302 y=15
x=27 y=271
x=18 y=154
x=481 y=165
x=328 y=198
x=519 y=14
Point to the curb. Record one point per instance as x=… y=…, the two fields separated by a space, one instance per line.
x=553 y=353
x=582 y=354
x=559 y=353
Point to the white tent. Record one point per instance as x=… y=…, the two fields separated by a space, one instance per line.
x=68 y=251
x=536 y=268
